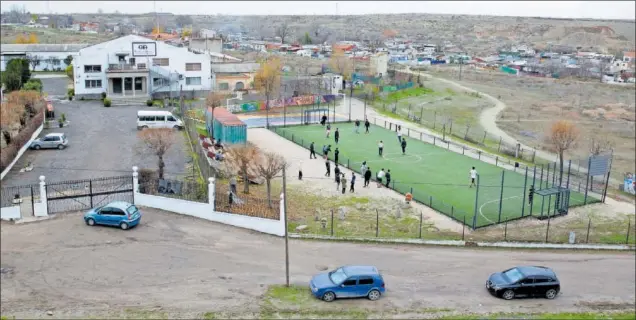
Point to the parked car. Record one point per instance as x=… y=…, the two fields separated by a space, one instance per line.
x=50 y=141
x=524 y=282
x=117 y=213
x=348 y=282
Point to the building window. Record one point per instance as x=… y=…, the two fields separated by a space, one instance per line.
x=55 y=62
x=157 y=82
x=163 y=62
x=224 y=86
x=193 y=67
x=239 y=86
x=93 y=84
x=141 y=66
x=193 y=81
x=92 y=68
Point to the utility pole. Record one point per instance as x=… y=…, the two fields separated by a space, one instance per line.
x=285 y=221
x=461 y=63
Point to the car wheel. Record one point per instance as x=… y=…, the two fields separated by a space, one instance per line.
x=90 y=222
x=328 y=296
x=144 y=127
x=551 y=294
x=374 y=295
x=123 y=226
x=508 y=295
x=176 y=128
x=61 y=147
x=36 y=147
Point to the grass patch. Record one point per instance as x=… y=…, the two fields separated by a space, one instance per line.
x=547 y=316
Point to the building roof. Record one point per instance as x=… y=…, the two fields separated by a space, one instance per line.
x=235 y=67
x=41 y=47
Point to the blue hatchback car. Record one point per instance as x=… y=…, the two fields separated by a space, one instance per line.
x=348 y=282
x=118 y=213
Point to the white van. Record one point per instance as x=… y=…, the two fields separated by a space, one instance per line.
x=157 y=120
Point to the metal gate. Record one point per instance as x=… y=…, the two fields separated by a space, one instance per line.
x=78 y=195
x=25 y=196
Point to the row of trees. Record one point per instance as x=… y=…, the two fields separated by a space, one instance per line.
x=27 y=39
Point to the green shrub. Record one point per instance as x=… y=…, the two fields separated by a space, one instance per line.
x=157 y=103
x=70 y=92
x=33 y=85
x=103 y=95
x=149 y=103
x=107 y=102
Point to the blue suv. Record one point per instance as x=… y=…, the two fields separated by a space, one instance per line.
x=348 y=282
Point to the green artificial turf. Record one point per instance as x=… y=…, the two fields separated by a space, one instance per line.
x=434 y=176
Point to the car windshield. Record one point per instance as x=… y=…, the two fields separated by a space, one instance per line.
x=338 y=276
x=513 y=275
x=131 y=209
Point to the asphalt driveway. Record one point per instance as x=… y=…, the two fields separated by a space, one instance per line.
x=102 y=143
x=181 y=264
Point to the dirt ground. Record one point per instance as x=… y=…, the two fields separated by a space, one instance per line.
x=601 y=111
x=185 y=267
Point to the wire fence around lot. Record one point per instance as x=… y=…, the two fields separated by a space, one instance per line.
x=243 y=204
x=408 y=224
x=174 y=188
x=500 y=195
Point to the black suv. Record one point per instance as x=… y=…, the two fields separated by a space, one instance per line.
x=524 y=282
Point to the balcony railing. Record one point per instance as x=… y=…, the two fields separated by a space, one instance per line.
x=125 y=67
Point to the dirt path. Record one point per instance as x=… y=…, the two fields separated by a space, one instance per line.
x=188 y=266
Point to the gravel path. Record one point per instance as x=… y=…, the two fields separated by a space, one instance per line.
x=187 y=266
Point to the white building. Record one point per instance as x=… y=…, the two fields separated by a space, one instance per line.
x=379 y=64
x=134 y=66
x=49 y=57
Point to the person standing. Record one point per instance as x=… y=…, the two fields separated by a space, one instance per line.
x=336 y=154
x=380 y=147
x=328 y=130
x=344 y=183
x=473 y=176
x=363 y=168
x=367 y=177
x=300 y=170
x=336 y=172
x=403 y=146
x=312 y=152
x=366 y=125
x=380 y=177
x=328 y=173
x=323 y=120
x=336 y=135
x=357 y=127
x=399 y=135
x=388 y=177
x=353 y=182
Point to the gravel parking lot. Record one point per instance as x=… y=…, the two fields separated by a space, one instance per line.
x=188 y=266
x=102 y=143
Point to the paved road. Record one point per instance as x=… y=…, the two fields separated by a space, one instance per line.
x=183 y=264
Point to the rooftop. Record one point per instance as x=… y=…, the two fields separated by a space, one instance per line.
x=235 y=67
x=41 y=47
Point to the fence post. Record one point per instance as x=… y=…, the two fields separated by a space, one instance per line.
x=463 y=228
x=377 y=223
x=332 y=222
x=506 y=231
x=450 y=130
x=452 y=211
x=479 y=154
x=587 y=179
x=90 y=190
x=434 y=118
x=534 y=176
x=629 y=227
x=547 y=230
x=501 y=195
x=608 y=176
x=33 y=203
x=496 y=161
x=420 y=136
x=499 y=148
x=523 y=200
x=430 y=201
x=421 y=113
x=567 y=183
x=589 y=225
x=421 y=218
x=43 y=196
x=483 y=140
x=212 y=191
x=476 y=202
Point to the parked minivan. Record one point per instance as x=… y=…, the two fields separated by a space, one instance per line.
x=157 y=120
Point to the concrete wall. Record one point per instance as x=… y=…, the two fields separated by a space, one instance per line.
x=21 y=151
x=206 y=210
x=8 y=213
x=39 y=209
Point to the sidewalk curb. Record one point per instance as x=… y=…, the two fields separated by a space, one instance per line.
x=460 y=243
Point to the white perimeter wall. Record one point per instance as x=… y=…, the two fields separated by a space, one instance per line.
x=36 y=133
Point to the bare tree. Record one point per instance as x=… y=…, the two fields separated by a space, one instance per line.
x=268 y=81
x=268 y=167
x=242 y=159
x=283 y=31
x=563 y=136
x=600 y=144
x=158 y=142
x=214 y=100
x=34 y=61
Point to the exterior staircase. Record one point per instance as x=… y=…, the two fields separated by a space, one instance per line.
x=117 y=101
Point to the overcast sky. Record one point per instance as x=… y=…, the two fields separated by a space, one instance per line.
x=558 y=9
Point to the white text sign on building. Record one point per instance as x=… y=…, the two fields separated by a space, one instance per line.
x=144 y=49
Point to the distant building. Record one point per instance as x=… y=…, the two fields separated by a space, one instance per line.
x=134 y=66
x=50 y=56
x=231 y=77
x=207 y=44
x=379 y=63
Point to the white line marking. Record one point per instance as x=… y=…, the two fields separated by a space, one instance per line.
x=485 y=203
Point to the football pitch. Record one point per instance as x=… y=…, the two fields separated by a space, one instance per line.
x=436 y=177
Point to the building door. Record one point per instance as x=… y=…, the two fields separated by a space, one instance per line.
x=128 y=84
x=117 y=85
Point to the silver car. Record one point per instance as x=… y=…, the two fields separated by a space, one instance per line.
x=50 y=141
